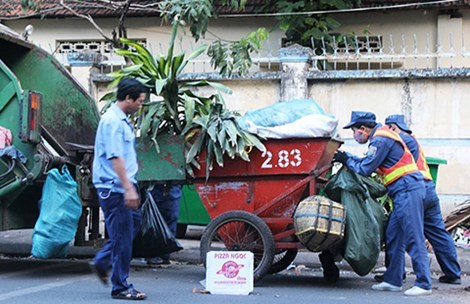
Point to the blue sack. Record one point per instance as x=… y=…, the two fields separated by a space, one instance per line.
x=59 y=211
x=281 y=113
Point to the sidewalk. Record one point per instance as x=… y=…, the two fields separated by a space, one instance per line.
x=18 y=243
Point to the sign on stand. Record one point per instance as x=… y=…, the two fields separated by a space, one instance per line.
x=229 y=272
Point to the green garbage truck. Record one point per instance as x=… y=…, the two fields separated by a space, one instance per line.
x=52 y=121
x=48 y=120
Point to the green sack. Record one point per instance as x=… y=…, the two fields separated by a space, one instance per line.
x=365 y=218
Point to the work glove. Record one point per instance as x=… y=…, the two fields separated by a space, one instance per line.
x=341 y=157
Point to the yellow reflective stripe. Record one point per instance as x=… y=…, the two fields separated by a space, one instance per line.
x=399 y=172
x=422 y=160
x=426 y=174
x=389 y=134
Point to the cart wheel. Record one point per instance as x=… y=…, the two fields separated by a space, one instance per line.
x=240 y=231
x=282 y=260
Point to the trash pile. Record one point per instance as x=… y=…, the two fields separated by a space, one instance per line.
x=365 y=218
x=298 y=118
x=458 y=224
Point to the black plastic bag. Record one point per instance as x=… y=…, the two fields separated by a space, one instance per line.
x=365 y=218
x=154 y=238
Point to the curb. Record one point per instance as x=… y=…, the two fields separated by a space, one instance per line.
x=18 y=243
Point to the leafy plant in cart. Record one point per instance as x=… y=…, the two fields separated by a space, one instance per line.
x=205 y=122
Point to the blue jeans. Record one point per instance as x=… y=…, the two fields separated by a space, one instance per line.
x=122 y=225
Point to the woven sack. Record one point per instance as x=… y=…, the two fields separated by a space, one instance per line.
x=319 y=223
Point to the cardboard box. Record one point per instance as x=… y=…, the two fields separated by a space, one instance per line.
x=229 y=272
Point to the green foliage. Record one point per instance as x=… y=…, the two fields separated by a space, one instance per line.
x=205 y=122
x=386 y=201
x=311 y=29
x=215 y=130
x=236 y=4
x=226 y=56
x=30 y=4
x=235 y=57
x=195 y=12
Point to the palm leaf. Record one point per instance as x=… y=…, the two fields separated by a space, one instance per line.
x=252 y=139
x=231 y=130
x=159 y=85
x=212 y=131
x=109 y=96
x=177 y=62
x=189 y=109
x=219 y=155
x=191 y=56
x=148 y=117
x=141 y=50
x=131 y=69
x=218 y=86
x=195 y=147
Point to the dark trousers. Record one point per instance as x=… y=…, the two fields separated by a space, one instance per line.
x=405 y=231
x=436 y=233
x=122 y=225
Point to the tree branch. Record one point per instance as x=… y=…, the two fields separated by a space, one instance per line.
x=121 y=29
x=90 y=19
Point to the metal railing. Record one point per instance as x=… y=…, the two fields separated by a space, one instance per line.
x=369 y=52
x=379 y=52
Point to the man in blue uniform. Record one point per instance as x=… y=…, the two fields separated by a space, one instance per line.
x=114 y=176
x=434 y=228
x=389 y=156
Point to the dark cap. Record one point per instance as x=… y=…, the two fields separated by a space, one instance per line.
x=359 y=117
x=399 y=120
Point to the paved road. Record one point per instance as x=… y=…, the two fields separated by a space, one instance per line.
x=28 y=281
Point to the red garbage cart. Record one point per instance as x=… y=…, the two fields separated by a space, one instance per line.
x=251 y=204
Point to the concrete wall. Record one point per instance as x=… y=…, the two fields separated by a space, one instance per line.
x=48 y=31
x=438 y=111
x=420 y=31
x=249 y=95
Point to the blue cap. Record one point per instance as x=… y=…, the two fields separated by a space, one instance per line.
x=399 y=120
x=360 y=117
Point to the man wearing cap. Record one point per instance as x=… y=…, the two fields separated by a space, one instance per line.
x=389 y=156
x=434 y=228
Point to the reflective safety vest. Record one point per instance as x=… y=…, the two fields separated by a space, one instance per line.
x=403 y=166
x=422 y=163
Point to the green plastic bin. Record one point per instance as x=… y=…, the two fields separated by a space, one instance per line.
x=433 y=163
x=192 y=210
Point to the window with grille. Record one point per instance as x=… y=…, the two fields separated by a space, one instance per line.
x=95 y=46
x=89 y=52
x=361 y=44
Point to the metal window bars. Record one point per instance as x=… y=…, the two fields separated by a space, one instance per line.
x=367 y=52
x=377 y=52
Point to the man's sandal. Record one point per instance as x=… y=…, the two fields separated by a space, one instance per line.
x=129 y=294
